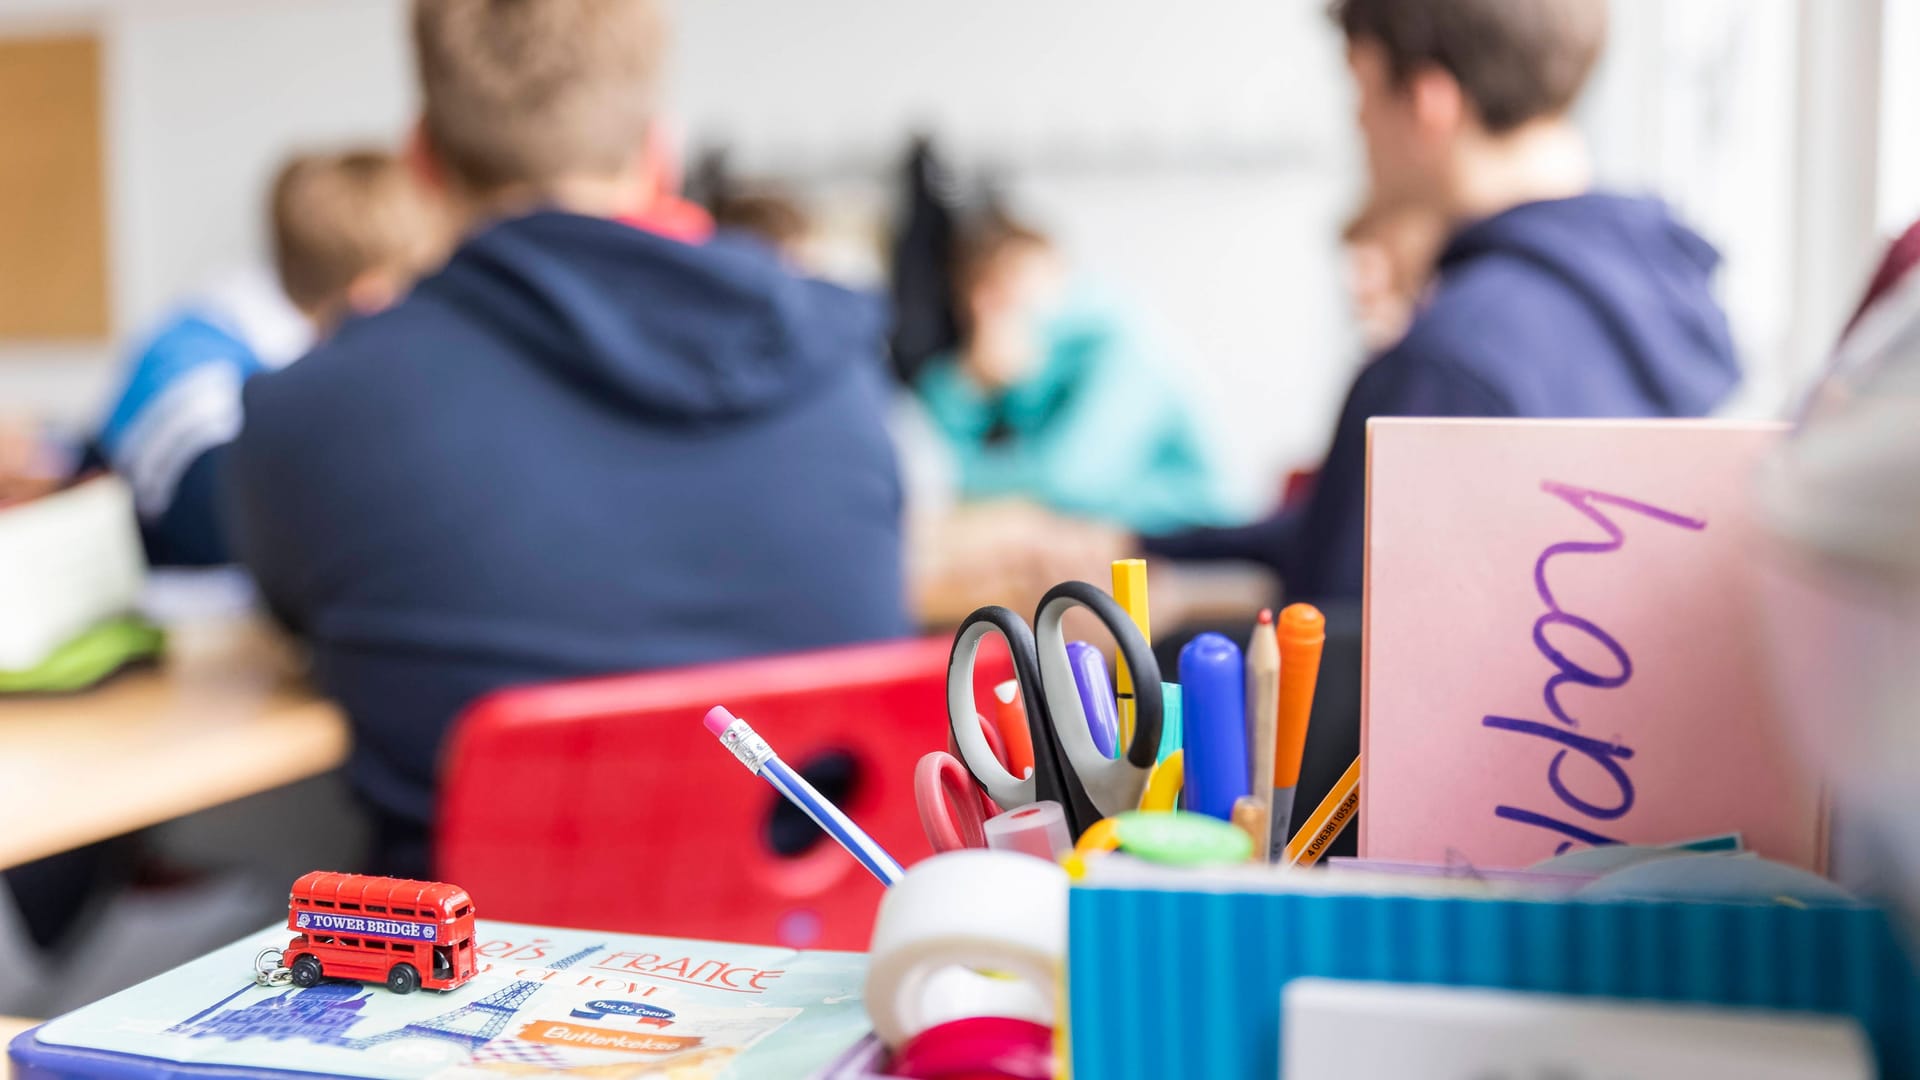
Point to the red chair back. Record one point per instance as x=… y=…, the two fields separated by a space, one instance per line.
x=605 y=803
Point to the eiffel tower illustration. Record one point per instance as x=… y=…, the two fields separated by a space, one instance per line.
x=472 y=1025
x=320 y=1015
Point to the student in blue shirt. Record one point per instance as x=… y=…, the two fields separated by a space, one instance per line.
x=350 y=231
x=1053 y=398
x=179 y=404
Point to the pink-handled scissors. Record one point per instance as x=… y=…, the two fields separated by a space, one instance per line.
x=953 y=809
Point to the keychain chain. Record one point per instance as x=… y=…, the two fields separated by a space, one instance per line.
x=268 y=971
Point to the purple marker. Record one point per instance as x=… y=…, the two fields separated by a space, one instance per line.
x=1096 y=694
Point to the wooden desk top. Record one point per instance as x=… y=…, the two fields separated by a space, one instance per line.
x=9 y=1027
x=224 y=716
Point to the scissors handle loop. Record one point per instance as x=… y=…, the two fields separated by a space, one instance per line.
x=1111 y=786
x=963 y=720
x=951 y=810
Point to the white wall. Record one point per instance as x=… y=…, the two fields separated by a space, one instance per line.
x=1236 y=265
x=207 y=98
x=1194 y=157
x=1232 y=254
x=1900 y=117
x=202 y=99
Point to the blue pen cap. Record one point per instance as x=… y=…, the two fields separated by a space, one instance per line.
x=1214 y=706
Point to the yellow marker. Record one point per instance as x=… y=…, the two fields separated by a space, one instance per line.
x=1327 y=821
x=1164 y=783
x=1130 y=589
x=1101 y=836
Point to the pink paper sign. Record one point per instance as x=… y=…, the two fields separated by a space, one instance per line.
x=1562 y=647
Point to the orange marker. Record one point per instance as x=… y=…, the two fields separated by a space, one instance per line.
x=1010 y=716
x=1303 y=633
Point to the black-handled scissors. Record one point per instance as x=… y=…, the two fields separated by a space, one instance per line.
x=1067 y=767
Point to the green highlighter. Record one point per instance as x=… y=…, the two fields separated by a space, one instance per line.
x=1179 y=838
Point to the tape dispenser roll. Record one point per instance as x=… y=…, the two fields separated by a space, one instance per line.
x=955 y=917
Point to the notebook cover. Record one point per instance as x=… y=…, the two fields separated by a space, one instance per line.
x=1563 y=647
x=602 y=1005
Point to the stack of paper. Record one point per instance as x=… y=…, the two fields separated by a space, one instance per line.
x=70 y=561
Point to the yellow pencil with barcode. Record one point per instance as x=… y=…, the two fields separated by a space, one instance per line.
x=1328 y=820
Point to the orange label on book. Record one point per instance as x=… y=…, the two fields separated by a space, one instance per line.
x=599 y=1038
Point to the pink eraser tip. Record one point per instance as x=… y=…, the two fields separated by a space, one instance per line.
x=718 y=718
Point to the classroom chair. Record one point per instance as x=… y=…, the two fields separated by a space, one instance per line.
x=605 y=803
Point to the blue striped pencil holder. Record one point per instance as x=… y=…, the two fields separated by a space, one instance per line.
x=1166 y=981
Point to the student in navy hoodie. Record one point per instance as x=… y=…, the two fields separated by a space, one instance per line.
x=1549 y=299
x=582 y=447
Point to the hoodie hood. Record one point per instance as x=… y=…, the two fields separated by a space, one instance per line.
x=1648 y=277
x=724 y=330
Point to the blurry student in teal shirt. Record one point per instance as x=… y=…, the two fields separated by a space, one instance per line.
x=1054 y=399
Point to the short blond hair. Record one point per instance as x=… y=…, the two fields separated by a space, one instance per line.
x=519 y=93
x=337 y=216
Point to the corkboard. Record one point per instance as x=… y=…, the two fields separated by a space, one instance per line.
x=53 y=235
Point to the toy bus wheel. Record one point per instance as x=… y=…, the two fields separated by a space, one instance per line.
x=403 y=979
x=306 y=972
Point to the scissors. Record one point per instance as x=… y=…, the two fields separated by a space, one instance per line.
x=953 y=809
x=1068 y=768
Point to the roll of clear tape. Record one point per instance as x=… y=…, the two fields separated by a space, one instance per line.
x=1038 y=829
x=967 y=933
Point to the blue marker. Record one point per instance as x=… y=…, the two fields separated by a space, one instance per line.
x=1096 y=694
x=1213 y=692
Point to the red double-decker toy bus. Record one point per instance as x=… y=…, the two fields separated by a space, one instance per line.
x=407 y=934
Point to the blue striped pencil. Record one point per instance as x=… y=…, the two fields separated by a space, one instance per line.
x=759 y=758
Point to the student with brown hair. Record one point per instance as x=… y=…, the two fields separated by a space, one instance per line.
x=1549 y=299
x=582 y=447
x=1054 y=398
x=350 y=231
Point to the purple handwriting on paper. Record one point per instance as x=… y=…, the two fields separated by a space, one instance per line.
x=1609 y=756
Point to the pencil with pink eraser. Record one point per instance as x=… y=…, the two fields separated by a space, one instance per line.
x=757 y=756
